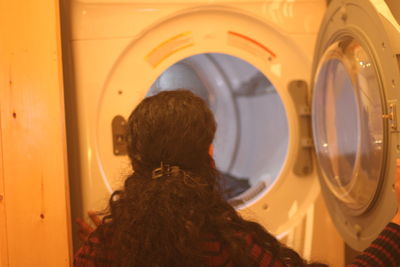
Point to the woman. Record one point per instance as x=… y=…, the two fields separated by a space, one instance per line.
x=170 y=211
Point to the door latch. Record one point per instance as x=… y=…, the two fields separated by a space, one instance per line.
x=392 y=117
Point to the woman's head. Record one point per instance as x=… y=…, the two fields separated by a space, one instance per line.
x=172 y=127
x=157 y=222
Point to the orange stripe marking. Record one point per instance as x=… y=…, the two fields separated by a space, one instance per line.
x=254 y=42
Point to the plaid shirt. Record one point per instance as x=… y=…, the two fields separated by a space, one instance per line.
x=384 y=251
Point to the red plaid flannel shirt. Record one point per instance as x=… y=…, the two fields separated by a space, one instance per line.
x=384 y=251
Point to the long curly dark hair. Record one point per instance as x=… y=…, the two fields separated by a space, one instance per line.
x=162 y=222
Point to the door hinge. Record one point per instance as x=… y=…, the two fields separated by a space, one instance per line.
x=119 y=137
x=298 y=90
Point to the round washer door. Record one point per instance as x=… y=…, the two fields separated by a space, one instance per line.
x=355 y=98
x=279 y=205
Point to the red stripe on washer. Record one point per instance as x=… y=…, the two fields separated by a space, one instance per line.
x=253 y=41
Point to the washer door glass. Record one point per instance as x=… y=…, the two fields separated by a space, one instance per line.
x=252 y=135
x=348 y=124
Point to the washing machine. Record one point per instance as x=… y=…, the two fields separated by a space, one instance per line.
x=289 y=120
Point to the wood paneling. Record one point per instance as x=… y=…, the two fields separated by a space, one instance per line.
x=34 y=223
x=3 y=218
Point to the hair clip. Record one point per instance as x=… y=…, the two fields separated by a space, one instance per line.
x=164 y=170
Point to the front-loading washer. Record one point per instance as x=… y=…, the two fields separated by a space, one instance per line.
x=120 y=49
x=251 y=61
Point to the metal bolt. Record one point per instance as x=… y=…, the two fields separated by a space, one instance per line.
x=358 y=229
x=343 y=13
x=387 y=116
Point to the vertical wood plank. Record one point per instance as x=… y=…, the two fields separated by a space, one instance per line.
x=3 y=216
x=35 y=208
x=3 y=224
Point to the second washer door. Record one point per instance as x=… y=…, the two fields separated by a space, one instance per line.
x=355 y=75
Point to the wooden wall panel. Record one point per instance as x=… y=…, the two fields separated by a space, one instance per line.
x=34 y=223
x=3 y=218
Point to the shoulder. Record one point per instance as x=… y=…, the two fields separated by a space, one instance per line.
x=384 y=250
x=218 y=254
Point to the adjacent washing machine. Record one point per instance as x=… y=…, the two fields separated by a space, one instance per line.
x=251 y=61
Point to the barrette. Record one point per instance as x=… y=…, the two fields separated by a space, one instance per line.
x=164 y=170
